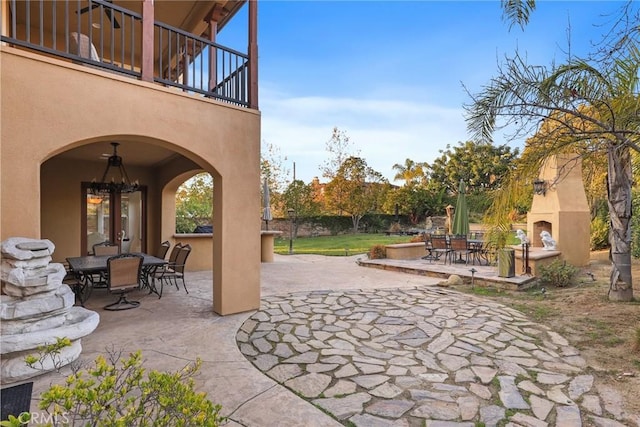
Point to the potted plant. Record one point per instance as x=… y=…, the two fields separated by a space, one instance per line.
x=497 y=238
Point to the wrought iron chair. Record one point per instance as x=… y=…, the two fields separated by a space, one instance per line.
x=102 y=249
x=163 y=249
x=439 y=247
x=123 y=277
x=460 y=247
x=105 y=248
x=428 y=246
x=174 y=271
x=149 y=271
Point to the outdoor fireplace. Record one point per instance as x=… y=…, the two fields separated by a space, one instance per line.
x=562 y=209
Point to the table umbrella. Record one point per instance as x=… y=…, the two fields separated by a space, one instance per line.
x=266 y=213
x=461 y=215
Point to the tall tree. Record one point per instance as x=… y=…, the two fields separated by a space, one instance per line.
x=301 y=198
x=411 y=172
x=356 y=189
x=416 y=201
x=590 y=101
x=340 y=148
x=273 y=170
x=479 y=164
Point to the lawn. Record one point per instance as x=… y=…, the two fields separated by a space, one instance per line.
x=346 y=244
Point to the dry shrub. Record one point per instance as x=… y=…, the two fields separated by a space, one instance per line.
x=377 y=252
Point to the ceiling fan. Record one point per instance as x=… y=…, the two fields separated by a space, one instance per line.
x=107 y=12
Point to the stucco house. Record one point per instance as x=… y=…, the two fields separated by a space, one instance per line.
x=80 y=75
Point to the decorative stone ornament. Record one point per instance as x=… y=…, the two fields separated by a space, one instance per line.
x=36 y=308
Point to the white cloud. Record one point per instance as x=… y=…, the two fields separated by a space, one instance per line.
x=384 y=131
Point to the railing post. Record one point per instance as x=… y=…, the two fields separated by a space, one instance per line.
x=214 y=16
x=148 y=19
x=253 y=54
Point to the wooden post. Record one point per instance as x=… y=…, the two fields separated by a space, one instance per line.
x=148 y=19
x=216 y=13
x=253 y=54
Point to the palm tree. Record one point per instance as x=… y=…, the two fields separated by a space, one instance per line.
x=589 y=103
x=517 y=11
x=411 y=172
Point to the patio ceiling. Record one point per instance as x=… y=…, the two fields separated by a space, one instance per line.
x=133 y=153
x=184 y=14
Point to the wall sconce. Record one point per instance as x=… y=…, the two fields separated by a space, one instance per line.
x=540 y=186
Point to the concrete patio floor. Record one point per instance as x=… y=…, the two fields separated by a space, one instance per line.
x=178 y=328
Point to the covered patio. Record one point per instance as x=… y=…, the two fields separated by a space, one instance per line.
x=180 y=327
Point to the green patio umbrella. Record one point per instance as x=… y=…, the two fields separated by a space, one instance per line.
x=461 y=215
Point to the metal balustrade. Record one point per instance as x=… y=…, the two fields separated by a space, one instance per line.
x=103 y=35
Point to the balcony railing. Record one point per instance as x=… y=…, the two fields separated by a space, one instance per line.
x=103 y=35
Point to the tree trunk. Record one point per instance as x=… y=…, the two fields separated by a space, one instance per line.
x=619 y=182
x=355 y=221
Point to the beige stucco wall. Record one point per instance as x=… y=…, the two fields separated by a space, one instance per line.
x=49 y=106
x=565 y=207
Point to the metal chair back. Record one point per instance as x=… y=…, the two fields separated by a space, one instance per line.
x=124 y=272
x=458 y=243
x=105 y=248
x=163 y=249
x=181 y=260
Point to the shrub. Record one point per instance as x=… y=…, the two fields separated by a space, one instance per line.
x=121 y=392
x=558 y=273
x=599 y=233
x=418 y=238
x=395 y=227
x=377 y=252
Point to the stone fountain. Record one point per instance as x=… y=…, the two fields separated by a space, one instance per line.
x=36 y=308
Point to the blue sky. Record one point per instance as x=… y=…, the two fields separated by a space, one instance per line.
x=391 y=73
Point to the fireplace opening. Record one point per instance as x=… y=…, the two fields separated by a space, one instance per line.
x=539 y=227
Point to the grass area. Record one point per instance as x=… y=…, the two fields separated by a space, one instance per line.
x=346 y=244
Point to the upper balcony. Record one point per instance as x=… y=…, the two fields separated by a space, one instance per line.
x=169 y=42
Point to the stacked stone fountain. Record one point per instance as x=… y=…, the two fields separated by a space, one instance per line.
x=36 y=308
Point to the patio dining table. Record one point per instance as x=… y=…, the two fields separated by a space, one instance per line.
x=85 y=268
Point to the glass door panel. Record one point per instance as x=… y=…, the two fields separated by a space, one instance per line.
x=98 y=220
x=131 y=222
x=116 y=217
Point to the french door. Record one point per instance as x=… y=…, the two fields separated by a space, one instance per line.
x=119 y=218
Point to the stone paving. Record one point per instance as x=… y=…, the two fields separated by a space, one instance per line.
x=423 y=356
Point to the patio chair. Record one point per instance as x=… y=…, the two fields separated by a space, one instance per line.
x=428 y=246
x=439 y=247
x=174 y=271
x=81 y=46
x=163 y=249
x=459 y=247
x=105 y=248
x=149 y=271
x=123 y=277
